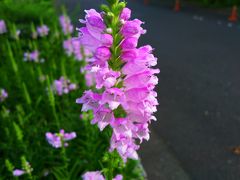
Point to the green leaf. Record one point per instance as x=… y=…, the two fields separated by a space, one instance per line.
x=9 y=165
x=18 y=132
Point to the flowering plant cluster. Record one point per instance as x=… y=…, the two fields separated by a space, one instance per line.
x=38 y=103
x=125 y=98
x=58 y=140
x=63 y=86
x=71 y=45
x=73 y=48
x=42 y=30
x=27 y=169
x=32 y=56
x=66 y=25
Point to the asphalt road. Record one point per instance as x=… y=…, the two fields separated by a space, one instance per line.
x=199 y=91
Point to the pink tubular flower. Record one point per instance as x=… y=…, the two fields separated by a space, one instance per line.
x=125 y=78
x=3 y=28
x=125 y=14
x=103 y=117
x=93 y=175
x=90 y=78
x=92 y=35
x=132 y=28
x=129 y=43
x=113 y=97
x=18 y=172
x=90 y=100
x=106 y=40
x=57 y=139
x=129 y=55
x=3 y=95
x=66 y=25
x=102 y=53
x=96 y=175
x=42 y=30
x=118 y=177
x=106 y=78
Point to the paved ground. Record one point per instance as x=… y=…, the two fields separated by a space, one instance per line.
x=199 y=91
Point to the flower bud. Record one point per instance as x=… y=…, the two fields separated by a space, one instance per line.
x=125 y=14
x=109 y=30
x=129 y=55
x=107 y=40
x=110 y=14
x=103 y=53
x=129 y=43
x=131 y=28
x=121 y=5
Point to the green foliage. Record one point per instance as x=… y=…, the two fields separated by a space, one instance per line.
x=27 y=11
x=9 y=165
x=32 y=108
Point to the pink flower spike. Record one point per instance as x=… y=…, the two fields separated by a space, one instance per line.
x=66 y=25
x=125 y=98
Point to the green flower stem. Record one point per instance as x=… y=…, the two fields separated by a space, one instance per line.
x=112 y=21
x=52 y=102
x=63 y=153
x=26 y=95
x=111 y=168
x=13 y=62
x=64 y=157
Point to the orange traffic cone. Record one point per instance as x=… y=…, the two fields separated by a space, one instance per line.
x=233 y=17
x=146 y=2
x=177 y=6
